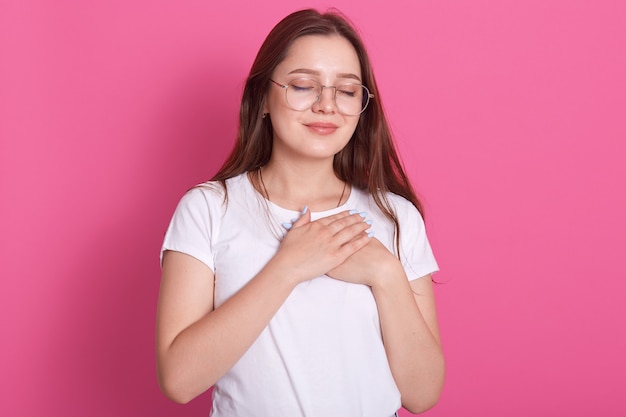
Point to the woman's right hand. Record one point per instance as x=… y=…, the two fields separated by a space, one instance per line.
x=312 y=248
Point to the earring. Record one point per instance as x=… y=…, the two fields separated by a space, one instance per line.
x=265 y=115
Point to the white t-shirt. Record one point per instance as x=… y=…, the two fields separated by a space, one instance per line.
x=322 y=354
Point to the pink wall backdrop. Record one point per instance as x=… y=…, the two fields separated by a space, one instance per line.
x=510 y=116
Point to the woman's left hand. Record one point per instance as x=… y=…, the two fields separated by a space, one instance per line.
x=367 y=265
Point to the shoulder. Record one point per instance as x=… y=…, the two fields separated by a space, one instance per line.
x=404 y=209
x=399 y=202
x=212 y=192
x=400 y=206
x=414 y=247
x=209 y=193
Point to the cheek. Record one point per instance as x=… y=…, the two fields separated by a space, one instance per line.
x=273 y=101
x=353 y=124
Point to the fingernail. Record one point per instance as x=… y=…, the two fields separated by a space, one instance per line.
x=363 y=214
x=369 y=221
x=287 y=225
x=304 y=210
x=353 y=211
x=370 y=234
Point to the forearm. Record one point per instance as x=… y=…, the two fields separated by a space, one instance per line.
x=208 y=348
x=413 y=348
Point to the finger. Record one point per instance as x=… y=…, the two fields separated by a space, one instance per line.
x=305 y=217
x=355 y=244
x=329 y=219
x=344 y=218
x=300 y=220
x=352 y=231
x=353 y=218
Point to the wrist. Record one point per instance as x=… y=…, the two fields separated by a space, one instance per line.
x=285 y=271
x=388 y=275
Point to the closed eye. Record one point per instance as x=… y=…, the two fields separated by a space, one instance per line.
x=349 y=90
x=301 y=88
x=346 y=93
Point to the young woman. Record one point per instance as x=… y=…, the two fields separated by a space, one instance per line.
x=297 y=281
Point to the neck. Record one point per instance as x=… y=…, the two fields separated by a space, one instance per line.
x=295 y=186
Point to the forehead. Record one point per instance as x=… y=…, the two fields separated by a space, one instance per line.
x=326 y=54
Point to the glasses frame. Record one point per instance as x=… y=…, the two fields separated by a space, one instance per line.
x=368 y=96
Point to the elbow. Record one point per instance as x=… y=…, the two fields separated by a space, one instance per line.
x=421 y=405
x=419 y=401
x=178 y=398
x=175 y=390
x=180 y=383
x=423 y=402
x=174 y=394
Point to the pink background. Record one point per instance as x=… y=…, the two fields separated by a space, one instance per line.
x=510 y=116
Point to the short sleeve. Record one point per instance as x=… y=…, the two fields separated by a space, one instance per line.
x=193 y=225
x=416 y=254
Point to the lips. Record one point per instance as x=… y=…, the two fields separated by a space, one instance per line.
x=322 y=128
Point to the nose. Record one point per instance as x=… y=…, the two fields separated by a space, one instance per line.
x=326 y=101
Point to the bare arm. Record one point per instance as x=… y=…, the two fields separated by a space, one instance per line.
x=408 y=321
x=196 y=343
x=411 y=336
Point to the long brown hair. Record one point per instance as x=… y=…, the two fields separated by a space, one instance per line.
x=369 y=161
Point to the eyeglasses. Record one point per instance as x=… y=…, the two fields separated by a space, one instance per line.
x=351 y=99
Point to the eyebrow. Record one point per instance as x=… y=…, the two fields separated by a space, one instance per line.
x=314 y=72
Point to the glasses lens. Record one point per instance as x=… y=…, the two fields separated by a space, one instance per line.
x=351 y=98
x=302 y=93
